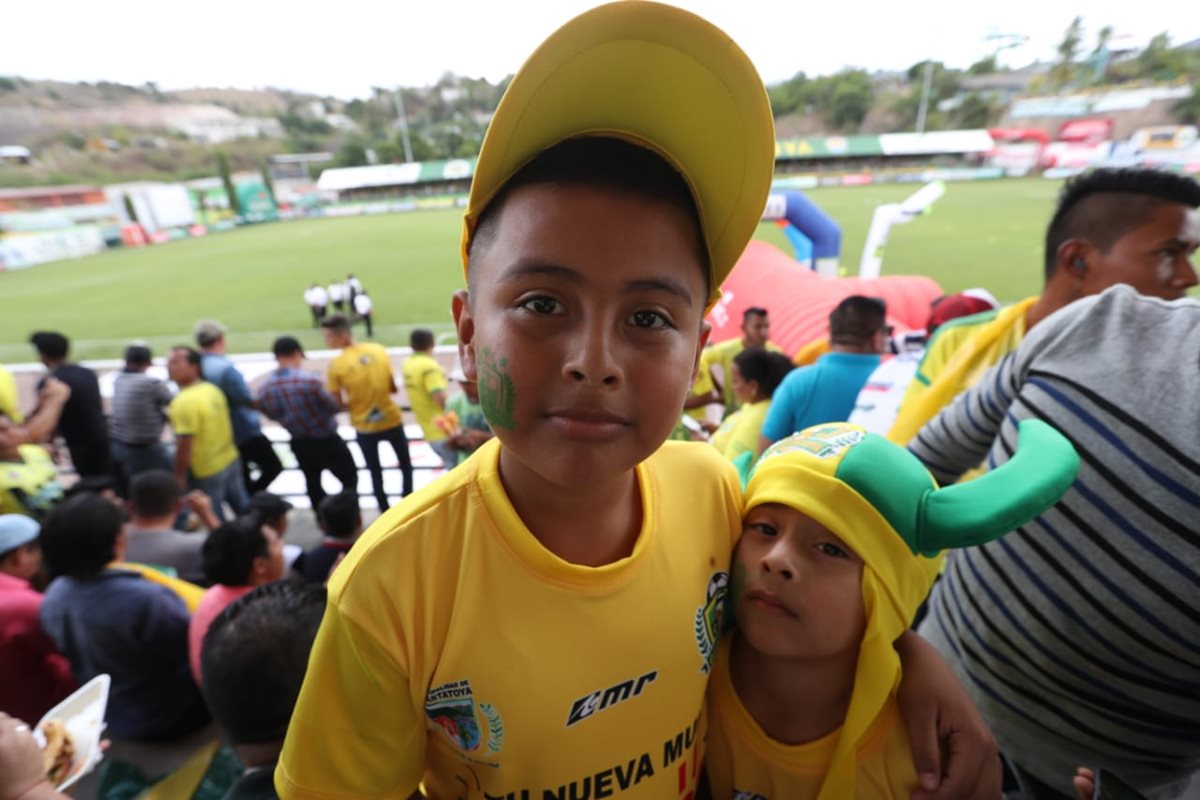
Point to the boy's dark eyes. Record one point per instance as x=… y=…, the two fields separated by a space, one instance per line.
x=763 y=528
x=833 y=550
x=649 y=319
x=542 y=305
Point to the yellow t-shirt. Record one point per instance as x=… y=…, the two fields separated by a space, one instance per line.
x=8 y=395
x=29 y=486
x=458 y=651
x=201 y=411
x=960 y=353
x=740 y=431
x=722 y=354
x=809 y=353
x=743 y=761
x=364 y=371
x=423 y=376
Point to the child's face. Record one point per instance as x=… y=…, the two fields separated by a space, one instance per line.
x=797 y=587
x=584 y=329
x=745 y=391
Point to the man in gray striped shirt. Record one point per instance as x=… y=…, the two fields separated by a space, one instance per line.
x=139 y=411
x=1078 y=635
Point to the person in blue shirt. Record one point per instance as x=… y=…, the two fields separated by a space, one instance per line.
x=826 y=391
x=254 y=448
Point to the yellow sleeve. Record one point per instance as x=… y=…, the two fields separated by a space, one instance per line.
x=184 y=415
x=334 y=379
x=434 y=379
x=355 y=732
x=8 y=396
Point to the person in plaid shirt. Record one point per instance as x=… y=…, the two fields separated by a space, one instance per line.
x=299 y=402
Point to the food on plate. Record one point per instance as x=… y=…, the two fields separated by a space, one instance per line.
x=59 y=753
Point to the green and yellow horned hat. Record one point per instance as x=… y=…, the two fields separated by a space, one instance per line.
x=882 y=502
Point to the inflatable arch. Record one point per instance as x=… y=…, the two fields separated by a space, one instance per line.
x=800 y=300
x=814 y=235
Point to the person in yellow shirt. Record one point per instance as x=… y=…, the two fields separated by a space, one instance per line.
x=425 y=384
x=361 y=381
x=28 y=478
x=8 y=395
x=1134 y=226
x=839 y=547
x=707 y=389
x=205 y=455
x=754 y=373
x=541 y=621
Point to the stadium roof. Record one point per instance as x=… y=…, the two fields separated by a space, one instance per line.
x=347 y=178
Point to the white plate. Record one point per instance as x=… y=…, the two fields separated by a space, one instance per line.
x=82 y=714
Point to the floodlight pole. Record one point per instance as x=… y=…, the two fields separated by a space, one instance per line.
x=926 y=86
x=403 y=120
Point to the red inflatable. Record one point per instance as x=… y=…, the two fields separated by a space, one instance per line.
x=799 y=300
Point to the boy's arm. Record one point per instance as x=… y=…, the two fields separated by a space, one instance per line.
x=355 y=731
x=941 y=718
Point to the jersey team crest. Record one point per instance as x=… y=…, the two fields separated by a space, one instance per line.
x=710 y=619
x=452 y=708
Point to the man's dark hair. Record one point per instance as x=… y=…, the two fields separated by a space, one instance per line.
x=193 y=355
x=50 y=344
x=602 y=162
x=856 y=319
x=1103 y=205
x=137 y=355
x=230 y=550
x=340 y=515
x=79 y=535
x=753 y=311
x=766 y=367
x=269 y=508
x=254 y=657
x=154 y=493
x=287 y=346
x=420 y=339
x=336 y=322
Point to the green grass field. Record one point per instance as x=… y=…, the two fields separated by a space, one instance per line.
x=252 y=279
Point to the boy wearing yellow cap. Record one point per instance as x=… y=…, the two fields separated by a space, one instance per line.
x=838 y=550
x=541 y=622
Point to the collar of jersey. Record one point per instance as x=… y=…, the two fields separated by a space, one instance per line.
x=524 y=547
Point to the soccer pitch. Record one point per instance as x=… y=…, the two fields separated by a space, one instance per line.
x=253 y=279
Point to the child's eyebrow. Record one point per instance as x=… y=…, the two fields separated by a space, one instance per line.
x=527 y=269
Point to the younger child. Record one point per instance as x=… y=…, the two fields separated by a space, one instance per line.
x=754 y=374
x=425 y=383
x=837 y=553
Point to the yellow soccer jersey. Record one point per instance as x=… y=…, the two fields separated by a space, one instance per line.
x=960 y=353
x=458 y=652
x=423 y=376
x=745 y=763
x=8 y=395
x=739 y=432
x=201 y=411
x=29 y=486
x=363 y=371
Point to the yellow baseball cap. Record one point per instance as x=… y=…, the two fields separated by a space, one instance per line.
x=659 y=77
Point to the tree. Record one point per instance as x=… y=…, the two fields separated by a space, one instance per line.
x=984 y=66
x=227 y=179
x=1188 y=110
x=1062 y=74
x=351 y=154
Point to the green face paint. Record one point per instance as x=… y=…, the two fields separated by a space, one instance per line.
x=496 y=393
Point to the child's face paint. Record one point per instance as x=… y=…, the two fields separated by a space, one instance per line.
x=801 y=594
x=584 y=329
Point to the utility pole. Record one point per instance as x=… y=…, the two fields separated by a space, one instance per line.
x=926 y=86
x=403 y=120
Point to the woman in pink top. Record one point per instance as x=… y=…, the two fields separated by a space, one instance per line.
x=238 y=556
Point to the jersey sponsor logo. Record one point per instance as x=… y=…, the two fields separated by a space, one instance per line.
x=602 y=699
x=452 y=708
x=710 y=619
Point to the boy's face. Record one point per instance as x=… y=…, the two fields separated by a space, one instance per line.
x=797 y=586
x=584 y=329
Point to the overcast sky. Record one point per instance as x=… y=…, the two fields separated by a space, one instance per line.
x=344 y=47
